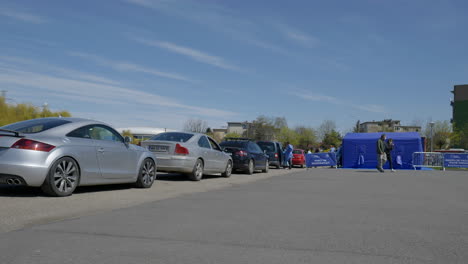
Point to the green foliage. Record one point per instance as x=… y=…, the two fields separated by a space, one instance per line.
x=332 y=138
x=288 y=135
x=307 y=137
x=232 y=135
x=459 y=137
x=20 y=112
x=442 y=133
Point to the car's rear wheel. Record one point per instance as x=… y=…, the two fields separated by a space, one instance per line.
x=147 y=174
x=63 y=178
x=197 y=172
x=267 y=167
x=251 y=167
x=228 y=172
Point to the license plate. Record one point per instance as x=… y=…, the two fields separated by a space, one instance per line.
x=155 y=148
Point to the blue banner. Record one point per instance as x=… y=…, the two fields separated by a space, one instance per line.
x=320 y=159
x=455 y=160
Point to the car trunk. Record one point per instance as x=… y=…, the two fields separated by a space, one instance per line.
x=161 y=147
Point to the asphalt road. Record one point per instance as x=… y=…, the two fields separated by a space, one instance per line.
x=315 y=216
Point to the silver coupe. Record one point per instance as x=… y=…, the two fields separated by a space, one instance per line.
x=189 y=153
x=59 y=154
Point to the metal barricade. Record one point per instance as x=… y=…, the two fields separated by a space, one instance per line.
x=428 y=160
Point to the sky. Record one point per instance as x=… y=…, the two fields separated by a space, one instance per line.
x=158 y=63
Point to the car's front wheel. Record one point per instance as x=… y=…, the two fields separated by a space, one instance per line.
x=63 y=178
x=147 y=174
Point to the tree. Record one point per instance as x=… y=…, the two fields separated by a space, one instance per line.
x=306 y=137
x=232 y=135
x=357 y=127
x=459 y=138
x=325 y=128
x=442 y=133
x=265 y=128
x=15 y=113
x=333 y=138
x=196 y=126
x=288 y=135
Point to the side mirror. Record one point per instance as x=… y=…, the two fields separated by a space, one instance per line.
x=127 y=140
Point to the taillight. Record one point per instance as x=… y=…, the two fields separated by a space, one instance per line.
x=32 y=145
x=241 y=153
x=276 y=155
x=181 y=150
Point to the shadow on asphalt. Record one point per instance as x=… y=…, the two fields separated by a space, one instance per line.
x=24 y=191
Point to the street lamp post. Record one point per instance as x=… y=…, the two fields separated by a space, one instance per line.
x=432 y=135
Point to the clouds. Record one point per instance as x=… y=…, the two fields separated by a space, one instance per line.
x=91 y=90
x=190 y=53
x=22 y=16
x=297 y=36
x=306 y=95
x=128 y=66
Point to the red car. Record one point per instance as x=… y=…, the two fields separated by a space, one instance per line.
x=298 y=158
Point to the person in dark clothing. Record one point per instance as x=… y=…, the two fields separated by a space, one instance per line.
x=381 y=157
x=389 y=146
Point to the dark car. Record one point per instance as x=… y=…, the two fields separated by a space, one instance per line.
x=274 y=150
x=246 y=154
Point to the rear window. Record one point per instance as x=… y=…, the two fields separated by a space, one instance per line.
x=35 y=125
x=297 y=152
x=173 y=136
x=235 y=144
x=267 y=146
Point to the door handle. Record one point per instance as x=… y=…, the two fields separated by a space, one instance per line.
x=101 y=150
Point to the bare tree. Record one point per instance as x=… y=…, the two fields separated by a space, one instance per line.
x=195 y=125
x=327 y=127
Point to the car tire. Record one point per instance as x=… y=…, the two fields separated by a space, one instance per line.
x=197 y=172
x=228 y=172
x=147 y=174
x=267 y=167
x=251 y=167
x=62 y=179
x=302 y=166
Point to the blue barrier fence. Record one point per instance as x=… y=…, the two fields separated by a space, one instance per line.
x=455 y=160
x=321 y=159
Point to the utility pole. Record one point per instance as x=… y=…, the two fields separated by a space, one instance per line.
x=432 y=135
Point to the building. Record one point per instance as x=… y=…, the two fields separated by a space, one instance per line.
x=219 y=134
x=460 y=106
x=144 y=133
x=238 y=127
x=386 y=125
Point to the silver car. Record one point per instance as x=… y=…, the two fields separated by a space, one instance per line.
x=189 y=153
x=59 y=154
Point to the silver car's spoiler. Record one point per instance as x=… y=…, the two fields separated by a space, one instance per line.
x=15 y=133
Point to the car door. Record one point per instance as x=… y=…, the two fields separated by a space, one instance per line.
x=207 y=153
x=257 y=154
x=85 y=150
x=219 y=157
x=114 y=156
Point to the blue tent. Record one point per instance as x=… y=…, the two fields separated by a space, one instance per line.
x=360 y=149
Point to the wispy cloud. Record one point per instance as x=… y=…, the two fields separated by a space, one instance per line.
x=216 y=18
x=191 y=53
x=298 y=36
x=86 y=90
x=128 y=66
x=306 y=95
x=22 y=16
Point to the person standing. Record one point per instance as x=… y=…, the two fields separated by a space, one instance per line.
x=389 y=146
x=381 y=156
x=288 y=155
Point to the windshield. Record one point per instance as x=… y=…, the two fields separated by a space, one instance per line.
x=267 y=146
x=297 y=151
x=235 y=144
x=35 y=125
x=173 y=136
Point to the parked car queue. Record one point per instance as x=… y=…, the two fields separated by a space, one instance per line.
x=59 y=154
